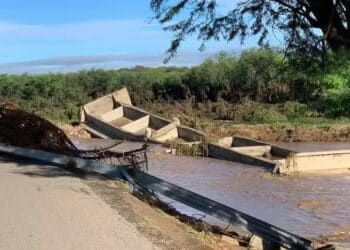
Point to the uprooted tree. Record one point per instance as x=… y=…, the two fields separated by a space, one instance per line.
x=306 y=25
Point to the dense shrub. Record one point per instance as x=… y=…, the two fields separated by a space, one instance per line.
x=334 y=77
x=249 y=111
x=232 y=87
x=337 y=102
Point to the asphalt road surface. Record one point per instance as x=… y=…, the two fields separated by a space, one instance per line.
x=44 y=207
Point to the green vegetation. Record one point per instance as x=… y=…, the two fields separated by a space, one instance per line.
x=259 y=86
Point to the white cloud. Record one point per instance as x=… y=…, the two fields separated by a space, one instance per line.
x=112 y=61
x=21 y=42
x=74 y=46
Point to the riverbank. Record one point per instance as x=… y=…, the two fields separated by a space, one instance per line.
x=273 y=128
x=163 y=230
x=322 y=131
x=287 y=132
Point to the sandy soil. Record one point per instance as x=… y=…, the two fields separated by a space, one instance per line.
x=73 y=131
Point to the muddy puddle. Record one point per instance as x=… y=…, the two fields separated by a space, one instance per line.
x=309 y=205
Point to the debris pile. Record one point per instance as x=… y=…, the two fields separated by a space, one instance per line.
x=22 y=129
x=74 y=131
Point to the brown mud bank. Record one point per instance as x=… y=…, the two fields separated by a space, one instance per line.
x=280 y=132
x=263 y=132
x=165 y=231
x=207 y=118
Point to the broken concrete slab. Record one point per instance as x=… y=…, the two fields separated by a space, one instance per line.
x=281 y=160
x=254 y=150
x=226 y=153
x=113 y=116
x=316 y=161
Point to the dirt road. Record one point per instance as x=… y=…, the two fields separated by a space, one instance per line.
x=44 y=207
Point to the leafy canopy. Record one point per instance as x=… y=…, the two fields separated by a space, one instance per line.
x=307 y=26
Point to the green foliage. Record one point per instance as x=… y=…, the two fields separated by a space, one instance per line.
x=295 y=110
x=337 y=102
x=260 y=85
x=249 y=111
x=260 y=72
x=305 y=25
x=335 y=79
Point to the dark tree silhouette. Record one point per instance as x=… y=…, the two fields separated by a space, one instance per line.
x=306 y=25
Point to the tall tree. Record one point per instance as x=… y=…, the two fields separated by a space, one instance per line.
x=306 y=25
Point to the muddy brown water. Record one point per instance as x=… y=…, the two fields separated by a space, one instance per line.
x=309 y=205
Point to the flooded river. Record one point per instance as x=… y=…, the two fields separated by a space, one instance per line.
x=309 y=205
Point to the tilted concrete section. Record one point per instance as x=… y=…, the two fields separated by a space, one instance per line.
x=281 y=160
x=315 y=161
x=114 y=116
x=225 y=149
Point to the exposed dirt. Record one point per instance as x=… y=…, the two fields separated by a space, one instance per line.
x=280 y=132
x=23 y=129
x=74 y=131
x=164 y=231
x=264 y=132
x=204 y=119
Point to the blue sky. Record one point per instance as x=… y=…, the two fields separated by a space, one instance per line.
x=40 y=36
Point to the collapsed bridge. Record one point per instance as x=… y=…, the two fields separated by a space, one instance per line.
x=49 y=138
x=114 y=117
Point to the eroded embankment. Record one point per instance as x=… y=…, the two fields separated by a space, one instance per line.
x=302 y=129
x=264 y=132
x=280 y=132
